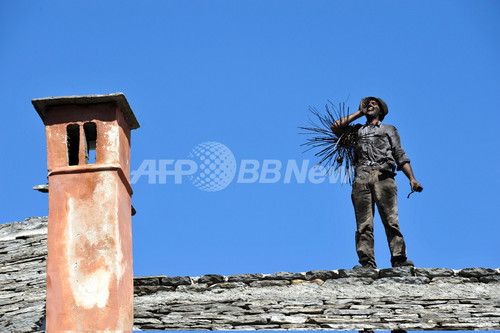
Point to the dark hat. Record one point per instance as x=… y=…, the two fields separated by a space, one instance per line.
x=384 y=110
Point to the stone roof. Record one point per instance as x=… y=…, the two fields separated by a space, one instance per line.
x=23 y=256
x=344 y=299
x=361 y=299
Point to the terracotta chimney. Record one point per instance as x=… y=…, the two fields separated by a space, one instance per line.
x=89 y=265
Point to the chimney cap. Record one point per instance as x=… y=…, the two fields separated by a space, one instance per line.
x=41 y=104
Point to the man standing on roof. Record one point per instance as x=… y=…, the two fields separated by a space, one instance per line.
x=377 y=154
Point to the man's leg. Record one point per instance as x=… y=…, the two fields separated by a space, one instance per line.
x=363 y=208
x=385 y=195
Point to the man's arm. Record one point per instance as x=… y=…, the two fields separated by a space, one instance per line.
x=415 y=185
x=402 y=161
x=350 y=118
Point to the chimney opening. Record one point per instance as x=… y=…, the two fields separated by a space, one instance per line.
x=90 y=130
x=73 y=142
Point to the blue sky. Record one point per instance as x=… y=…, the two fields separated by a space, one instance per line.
x=244 y=73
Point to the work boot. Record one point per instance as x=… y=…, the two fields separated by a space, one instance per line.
x=403 y=263
x=367 y=265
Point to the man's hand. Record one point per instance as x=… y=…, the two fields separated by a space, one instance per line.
x=415 y=185
x=363 y=106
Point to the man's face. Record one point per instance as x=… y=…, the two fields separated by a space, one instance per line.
x=373 y=109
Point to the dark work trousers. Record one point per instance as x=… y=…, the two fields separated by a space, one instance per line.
x=370 y=187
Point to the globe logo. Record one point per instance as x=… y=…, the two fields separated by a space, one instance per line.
x=216 y=166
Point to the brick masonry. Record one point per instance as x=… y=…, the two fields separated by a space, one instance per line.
x=343 y=299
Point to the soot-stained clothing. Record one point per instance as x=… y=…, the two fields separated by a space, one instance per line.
x=379 y=145
x=378 y=153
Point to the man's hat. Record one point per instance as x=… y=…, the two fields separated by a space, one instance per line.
x=384 y=110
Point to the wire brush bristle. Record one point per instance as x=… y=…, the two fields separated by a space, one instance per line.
x=336 y=149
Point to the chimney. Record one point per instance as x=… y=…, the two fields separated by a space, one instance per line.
x=89 y=265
